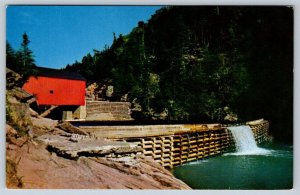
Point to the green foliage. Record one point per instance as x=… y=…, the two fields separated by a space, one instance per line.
x=204 y=63
x=21 y=61
x=25 y=58
x=11 y=60
x=17 y=117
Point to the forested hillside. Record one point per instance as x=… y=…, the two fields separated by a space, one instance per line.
x=204 y=64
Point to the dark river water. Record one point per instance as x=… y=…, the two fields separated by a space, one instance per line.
x=271 y=170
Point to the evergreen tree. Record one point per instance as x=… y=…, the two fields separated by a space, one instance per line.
x=25 y=59
x=11 y=61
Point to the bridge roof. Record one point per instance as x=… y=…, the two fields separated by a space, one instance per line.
x=49 y=72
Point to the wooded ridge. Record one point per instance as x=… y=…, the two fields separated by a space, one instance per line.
x=204 y=63
x=198 y=63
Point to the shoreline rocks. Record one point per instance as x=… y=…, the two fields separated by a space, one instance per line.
x=51 y=158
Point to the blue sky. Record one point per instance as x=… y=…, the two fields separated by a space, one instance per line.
x=60 y=35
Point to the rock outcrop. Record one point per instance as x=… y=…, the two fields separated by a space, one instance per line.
x=75 y=146
x=47 y=154
x=32 y=165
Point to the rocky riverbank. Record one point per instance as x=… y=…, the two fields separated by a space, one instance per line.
x=52 y=158
x=48 y=154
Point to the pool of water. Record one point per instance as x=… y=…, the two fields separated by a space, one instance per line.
x=270 y=170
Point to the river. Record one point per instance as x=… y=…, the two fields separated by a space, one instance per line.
x=266 y=170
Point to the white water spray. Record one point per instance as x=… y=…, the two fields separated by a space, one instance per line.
x=245 y=141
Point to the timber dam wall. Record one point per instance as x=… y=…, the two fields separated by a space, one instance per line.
x=172 y=145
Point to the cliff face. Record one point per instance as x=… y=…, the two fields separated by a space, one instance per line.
x=43 y=153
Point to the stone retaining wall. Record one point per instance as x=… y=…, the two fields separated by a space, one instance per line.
x=107 y=111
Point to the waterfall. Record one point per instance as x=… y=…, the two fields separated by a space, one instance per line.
x=245 y=141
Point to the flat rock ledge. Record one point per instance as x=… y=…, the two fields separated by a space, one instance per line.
x=76 y=146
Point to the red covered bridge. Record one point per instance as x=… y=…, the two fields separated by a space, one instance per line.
x=57 y=87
